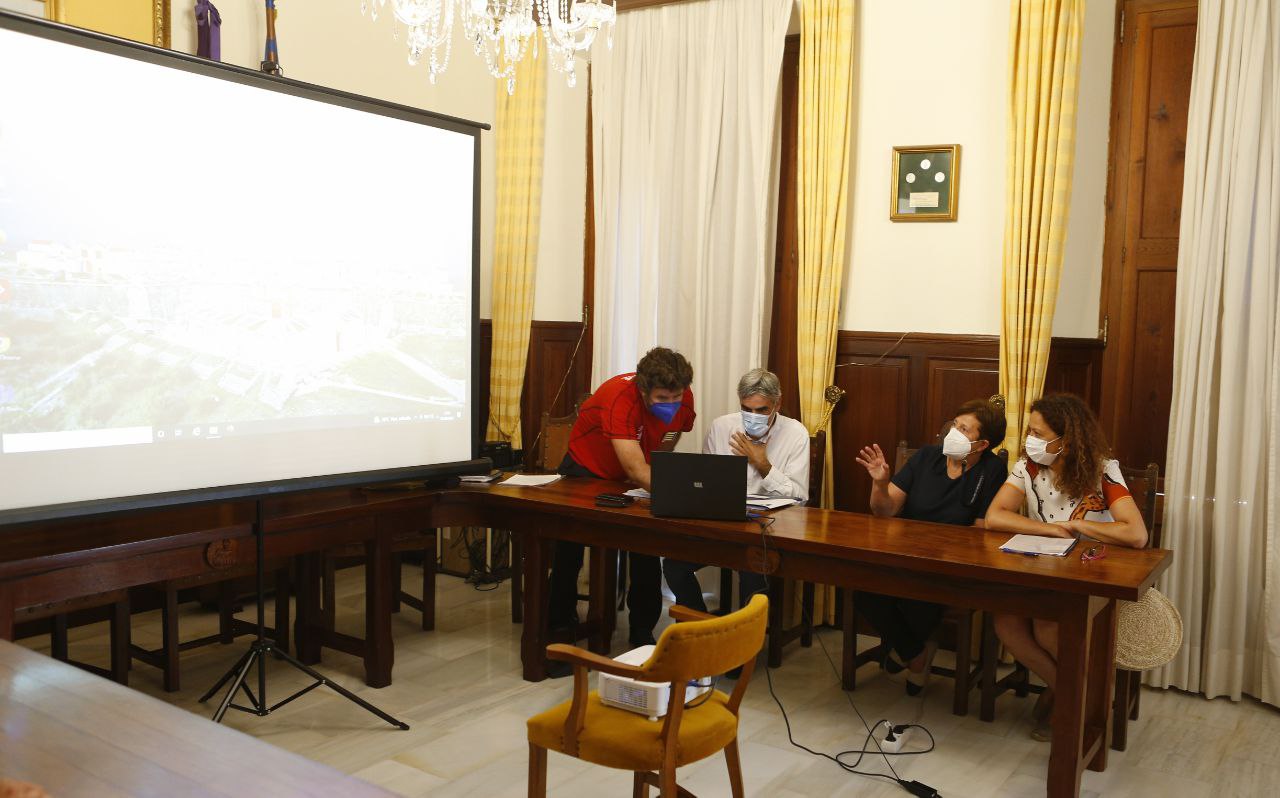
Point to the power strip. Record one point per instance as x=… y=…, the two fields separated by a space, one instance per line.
x=889 y=741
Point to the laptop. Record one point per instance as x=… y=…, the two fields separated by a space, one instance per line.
x=711 y=486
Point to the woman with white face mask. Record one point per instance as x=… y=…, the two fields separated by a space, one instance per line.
x=948 y=484
x=1068 y=486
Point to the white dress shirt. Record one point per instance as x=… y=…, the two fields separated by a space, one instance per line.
x=786 y=446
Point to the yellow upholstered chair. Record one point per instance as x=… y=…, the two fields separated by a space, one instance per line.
x=587 y=729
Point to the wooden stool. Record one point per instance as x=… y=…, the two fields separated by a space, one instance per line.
x=166 y=658
x=118 y=603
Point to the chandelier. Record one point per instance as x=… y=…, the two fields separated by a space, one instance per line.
x=500 y=31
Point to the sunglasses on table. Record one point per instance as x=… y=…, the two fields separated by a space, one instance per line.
x=1097 y=552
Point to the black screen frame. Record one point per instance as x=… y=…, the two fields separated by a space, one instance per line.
x=65 y=34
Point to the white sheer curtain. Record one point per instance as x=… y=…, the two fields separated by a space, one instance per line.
x=684 y=111
x=1223 y=486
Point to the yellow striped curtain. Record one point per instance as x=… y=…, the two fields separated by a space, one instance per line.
x=1044 y=61
x=824 y=160
x=518 y=126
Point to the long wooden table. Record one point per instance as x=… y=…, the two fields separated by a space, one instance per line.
x=934 y=562
x=47 y=563
x=74 y=733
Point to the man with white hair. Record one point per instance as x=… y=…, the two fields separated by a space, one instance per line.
x=777 y=452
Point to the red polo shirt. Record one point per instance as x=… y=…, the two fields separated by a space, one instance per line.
x=616 y=411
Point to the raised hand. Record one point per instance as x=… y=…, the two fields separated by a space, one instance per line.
x=872 y=459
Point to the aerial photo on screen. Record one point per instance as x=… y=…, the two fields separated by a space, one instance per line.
x=94 y=338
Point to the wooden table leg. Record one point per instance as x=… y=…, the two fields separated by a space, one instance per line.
x=306 y=636
x=120 y=638
x=849 y=644
x=1102 y=675
x=379 y=653
x=990 y=661
x=429 y=584
x=533 y=636
x=517 y=576
x=6 y=612
x=1067 y=748
x=284 y=587
x=599 y=599
x=610 y=616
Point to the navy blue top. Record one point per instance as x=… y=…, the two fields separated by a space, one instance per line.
x=934 y=496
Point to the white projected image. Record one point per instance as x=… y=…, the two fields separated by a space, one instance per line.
x=185 y=259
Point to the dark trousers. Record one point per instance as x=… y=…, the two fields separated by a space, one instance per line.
x=905 y=625
x=644 y=596
x=682 y=578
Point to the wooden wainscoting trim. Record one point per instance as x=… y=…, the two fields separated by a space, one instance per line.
x=905 y=389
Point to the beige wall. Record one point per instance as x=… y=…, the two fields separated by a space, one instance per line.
x=558 y=296
x=927 y=277
x=331 y=44
x=935 y=72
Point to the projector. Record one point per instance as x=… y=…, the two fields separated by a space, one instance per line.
x=644 y=698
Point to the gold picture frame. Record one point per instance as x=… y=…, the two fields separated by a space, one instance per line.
x=925 y=183
x=127 y=11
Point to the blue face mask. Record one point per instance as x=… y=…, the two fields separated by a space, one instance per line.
x=756 y=424
x=665 y=411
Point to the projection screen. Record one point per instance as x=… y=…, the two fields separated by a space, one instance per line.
x=213 y=278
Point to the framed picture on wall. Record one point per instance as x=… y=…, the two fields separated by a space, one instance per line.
x=926 y=183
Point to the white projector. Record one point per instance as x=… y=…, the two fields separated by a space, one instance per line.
x=645 y=698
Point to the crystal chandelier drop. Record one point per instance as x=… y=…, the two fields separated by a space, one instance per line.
x=500 y=31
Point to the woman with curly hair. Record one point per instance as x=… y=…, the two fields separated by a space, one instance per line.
x=1068 y=486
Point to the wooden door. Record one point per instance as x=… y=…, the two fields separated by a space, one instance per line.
x=1151 y=88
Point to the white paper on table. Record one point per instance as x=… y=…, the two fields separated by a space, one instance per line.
x=769 y=502
x=1038 y=544
x=532 y=480
x=639 y=493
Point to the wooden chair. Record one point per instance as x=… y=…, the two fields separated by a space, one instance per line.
x=166 y=658
x=587 y=729
x=421 y=542
x=117 y=606
x=1144 y=484
x=957 y=627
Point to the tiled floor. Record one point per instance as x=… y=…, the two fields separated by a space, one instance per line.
x=460 y=690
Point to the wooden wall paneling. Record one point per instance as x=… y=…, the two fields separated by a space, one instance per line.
x=874 y=410
x=905 y=388
x=950 y=382
x=1075 y=366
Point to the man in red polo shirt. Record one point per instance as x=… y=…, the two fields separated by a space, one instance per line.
x=628 y=417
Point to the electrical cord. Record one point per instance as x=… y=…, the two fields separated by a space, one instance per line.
x=705 y=697
x=883 y=355
x=913 y=787
x=482 y=576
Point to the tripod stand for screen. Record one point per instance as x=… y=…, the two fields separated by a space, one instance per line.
x=258 y=651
